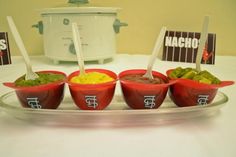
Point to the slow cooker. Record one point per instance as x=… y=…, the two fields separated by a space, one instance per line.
x=98 y=27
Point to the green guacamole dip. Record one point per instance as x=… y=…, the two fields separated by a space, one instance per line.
x=44 y=78
x=192 y=74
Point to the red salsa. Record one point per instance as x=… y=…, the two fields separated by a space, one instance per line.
x=140 y=79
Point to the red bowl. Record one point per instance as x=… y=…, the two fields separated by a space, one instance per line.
x=48 y=96
x=92 y=96
x=140 y=95
x=186 y=92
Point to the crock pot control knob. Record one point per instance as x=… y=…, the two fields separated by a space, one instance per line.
x=39 y=25
x=78 y=1
x=72 y=48
x=117 y=24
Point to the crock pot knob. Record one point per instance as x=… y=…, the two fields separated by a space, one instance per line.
x=39 y=25
x=78 y=1
x=72 y=48
x=117 y=24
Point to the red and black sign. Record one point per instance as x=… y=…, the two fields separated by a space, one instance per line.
x=183 y=46
x=5 y=56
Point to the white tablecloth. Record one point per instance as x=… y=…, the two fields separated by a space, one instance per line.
x=201 y=137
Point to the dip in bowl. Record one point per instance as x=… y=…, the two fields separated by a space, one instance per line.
x=45 y=92
x=192 y=87
x=140 y=92
x=94 y=90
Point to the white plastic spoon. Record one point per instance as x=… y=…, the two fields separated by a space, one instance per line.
x=78 y=47
x=30 y=75
x=202 y=43
x=155 y=51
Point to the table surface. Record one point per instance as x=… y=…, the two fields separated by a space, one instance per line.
x=200 y=137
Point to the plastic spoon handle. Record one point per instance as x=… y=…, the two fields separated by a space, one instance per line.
x=30 y=75
x=202 y=43
x=155 y=51
x=78 y=47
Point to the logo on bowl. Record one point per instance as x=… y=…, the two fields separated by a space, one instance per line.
x=202 y=99
x=149 y=101
x=91 y=101
x=34 y=103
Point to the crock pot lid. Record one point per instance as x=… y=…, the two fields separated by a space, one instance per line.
x=65 y=10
